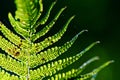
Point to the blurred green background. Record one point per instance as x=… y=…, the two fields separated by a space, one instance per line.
x=100 y=17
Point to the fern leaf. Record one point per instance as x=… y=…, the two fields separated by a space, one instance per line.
x=50 y=40
x=63 y=76
x=73 y=72
x=27 y=12
x=36 y=9
x=25 y=59
x=47 y=27
x=11 y=64
x=15 y=39
x=8 y=47
x=23 y=12
x=6 y=76
x=51 y=68
x=95 y=71
x=31 y=13
x=11 y=36
x=45 y=18
x=12 y=50
x=24 y=33
x=52 y=53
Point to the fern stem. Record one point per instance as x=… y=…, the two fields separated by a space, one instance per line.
x=28 y=54
x=28 y=74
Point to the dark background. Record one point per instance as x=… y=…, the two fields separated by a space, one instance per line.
x=100 y=17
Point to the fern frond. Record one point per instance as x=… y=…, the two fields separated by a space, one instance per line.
x=25 y=18
x=50 y=40
x=8 y=47
x=47 y=27
x=25 y=58
x=95 y=71
x=24 y=33
x=28 y=12
x=11 y=64
x=6 y=76
x=45 y=18
x=52 y=53
x=73 y=72
x=53 y=67
x=12 y=50
x=11 y=36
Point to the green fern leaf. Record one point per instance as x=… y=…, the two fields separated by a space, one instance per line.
x=11 y=64
x=24 y=33
x=50 y=40
x=53 y=67
x=11 y=36
x=22 y=57
x=45 y=18
x=52 y=53
x=95 y=71
x=47 y=28
x=73 y=72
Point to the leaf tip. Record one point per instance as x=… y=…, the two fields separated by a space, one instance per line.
x=65 y=7
x=97 y=42
x=73 y=17
x=96 y=58
x=112 y=61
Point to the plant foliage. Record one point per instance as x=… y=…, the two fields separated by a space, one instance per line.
x=22 y=58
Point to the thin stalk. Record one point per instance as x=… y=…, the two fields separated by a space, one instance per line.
x=28 y=54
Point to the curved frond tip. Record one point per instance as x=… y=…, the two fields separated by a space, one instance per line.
x=95 y=71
